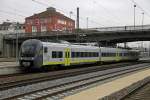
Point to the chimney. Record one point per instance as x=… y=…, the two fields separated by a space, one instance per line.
x=77 y=24
x=51 y=9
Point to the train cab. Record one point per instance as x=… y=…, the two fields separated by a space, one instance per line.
x=31 y=54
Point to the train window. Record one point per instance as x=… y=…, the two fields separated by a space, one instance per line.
x=97 y=54
x=120 y=54
x=75 y=54
x=110 y=54
x=90 y=54
x=72 y=54
x=60 y=54
x=45 y=49
x=86 y=54
x=57 y=54
x=54 y=54
x=82 y=54
x=93 y=54
x=102 y=54
x=78 y=54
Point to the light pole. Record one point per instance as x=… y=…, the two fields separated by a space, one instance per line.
x=142 y=27
x=77 y=25
x=134 y=15
x=70 y=13
x=16 y=43
x=142 y=19
x=87 y=25
x=87 y=22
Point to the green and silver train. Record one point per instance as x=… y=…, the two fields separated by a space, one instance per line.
x=37 y=54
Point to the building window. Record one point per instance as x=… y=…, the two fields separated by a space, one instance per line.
x=43 y=28
x=49 y=20
x=37 y=21
x=29 y=21
x=60 y=21
x=34 y=29
x=45 y=20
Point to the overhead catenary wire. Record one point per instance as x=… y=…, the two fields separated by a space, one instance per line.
x=115 y=18
x=12 y=13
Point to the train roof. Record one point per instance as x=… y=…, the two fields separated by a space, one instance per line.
x=70 y=45
x=67 y=44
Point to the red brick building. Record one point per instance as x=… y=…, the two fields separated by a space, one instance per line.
x=49 y=20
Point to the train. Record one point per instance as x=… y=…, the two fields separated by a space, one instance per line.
x=38 y=54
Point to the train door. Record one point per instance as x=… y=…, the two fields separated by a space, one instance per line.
x=100 y=55
x=117 y=55
x=45 y=54
x=67 y=57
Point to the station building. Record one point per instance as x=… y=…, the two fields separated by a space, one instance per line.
x=49 y=20
x=8 y=28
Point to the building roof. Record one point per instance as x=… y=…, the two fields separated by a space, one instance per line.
x=7 y=25
x=49 y=13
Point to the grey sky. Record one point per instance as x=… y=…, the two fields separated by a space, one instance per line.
x=100 y=12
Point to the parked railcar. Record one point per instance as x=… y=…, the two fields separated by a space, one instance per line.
x=36 y=54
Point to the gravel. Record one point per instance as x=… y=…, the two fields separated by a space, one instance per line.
x=43 y=85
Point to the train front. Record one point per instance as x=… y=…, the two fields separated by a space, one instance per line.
x=31 y=54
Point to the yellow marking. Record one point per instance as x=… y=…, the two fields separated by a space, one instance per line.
x=117 y=56
x=76 y=61
x=82 y=61
x=67 y=57
x=53 y=63
x=108 y=58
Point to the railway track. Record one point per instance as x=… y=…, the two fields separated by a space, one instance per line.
x=60 y=87
x=142 y=93
x=7 y=82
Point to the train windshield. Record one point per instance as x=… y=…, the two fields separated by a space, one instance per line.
x=28 y=50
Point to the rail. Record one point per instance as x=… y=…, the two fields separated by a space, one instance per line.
x=123 y=28
x=68 y=83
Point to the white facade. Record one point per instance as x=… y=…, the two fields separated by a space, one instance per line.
x=9 y=28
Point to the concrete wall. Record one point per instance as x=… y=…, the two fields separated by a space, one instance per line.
x=1 y=44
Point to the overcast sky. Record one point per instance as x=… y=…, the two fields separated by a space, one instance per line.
x=100 y=12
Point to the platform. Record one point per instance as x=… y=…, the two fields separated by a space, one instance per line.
x=9 y=68
x=7 y=59
x=108 y=90
x=145 y=59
